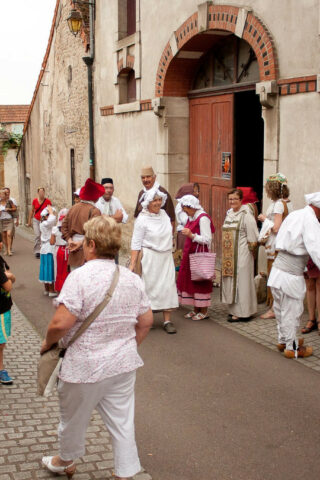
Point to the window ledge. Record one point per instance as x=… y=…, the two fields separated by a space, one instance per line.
x=128 y=41
x=127 y=107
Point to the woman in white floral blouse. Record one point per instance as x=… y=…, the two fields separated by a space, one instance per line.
x=99 y=368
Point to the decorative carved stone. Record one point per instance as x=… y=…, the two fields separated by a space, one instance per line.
x=267 y=92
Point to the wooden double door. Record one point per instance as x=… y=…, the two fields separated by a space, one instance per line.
x=211 y=155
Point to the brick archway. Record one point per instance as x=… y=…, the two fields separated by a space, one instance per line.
x=174 y=74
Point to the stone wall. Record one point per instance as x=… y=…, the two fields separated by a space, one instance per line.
x=59 y=118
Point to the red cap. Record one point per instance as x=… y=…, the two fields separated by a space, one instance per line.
x=249 y=195
x=91 y=191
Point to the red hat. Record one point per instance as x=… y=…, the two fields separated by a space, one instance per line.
x=91 y=191
x=249 y=195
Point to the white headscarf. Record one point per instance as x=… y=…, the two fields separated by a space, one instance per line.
x=190 y=201
x=313 y=199
x=45 y=212
x=150 y=195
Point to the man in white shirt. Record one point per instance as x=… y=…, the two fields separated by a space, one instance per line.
x=297 y=239
x=110 y=205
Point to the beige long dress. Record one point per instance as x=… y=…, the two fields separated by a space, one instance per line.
x=239 y=240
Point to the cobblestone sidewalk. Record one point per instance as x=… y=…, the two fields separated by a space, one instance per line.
x=264 y=331
x=29 y=423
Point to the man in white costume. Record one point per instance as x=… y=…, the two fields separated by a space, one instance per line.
x=297 y=239
x=110 y=205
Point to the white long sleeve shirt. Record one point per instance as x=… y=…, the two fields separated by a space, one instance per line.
x=299 y=234
x=46 y=230
x=205 y=236
x=109 y=208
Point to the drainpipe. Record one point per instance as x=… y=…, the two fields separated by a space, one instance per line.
x=89 y=62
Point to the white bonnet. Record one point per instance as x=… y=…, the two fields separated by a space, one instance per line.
x=149 y=195
x=190 y=201
x=45 y=212
x=313 y=199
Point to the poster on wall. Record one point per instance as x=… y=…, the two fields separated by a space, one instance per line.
x=226 y=165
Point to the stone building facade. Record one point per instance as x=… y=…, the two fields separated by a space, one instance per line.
x=216 y=82
x=12 y=119
x=54 y=150
x=221 y=92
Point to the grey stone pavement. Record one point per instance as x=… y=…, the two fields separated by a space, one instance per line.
x=28 y=429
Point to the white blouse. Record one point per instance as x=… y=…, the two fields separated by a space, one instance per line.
x=46 y=230
x=205 y=236
x=152 y=230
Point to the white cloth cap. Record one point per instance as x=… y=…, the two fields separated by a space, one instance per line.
x=190 y=201
x=77 y=192
x=149 y=195
x=313 y=199
x=63 y=212
x=45 y=212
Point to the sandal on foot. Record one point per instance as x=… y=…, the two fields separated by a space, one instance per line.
x=68 y=470
x=200 y=316
x=190 y=314
x=313 y=326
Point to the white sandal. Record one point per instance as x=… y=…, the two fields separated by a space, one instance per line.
x=190 y=314
x=68 y=470
x=199 y=316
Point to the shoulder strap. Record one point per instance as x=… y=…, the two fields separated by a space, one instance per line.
x=98 y=308
x=39 y=208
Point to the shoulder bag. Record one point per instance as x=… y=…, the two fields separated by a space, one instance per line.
x=50 y=361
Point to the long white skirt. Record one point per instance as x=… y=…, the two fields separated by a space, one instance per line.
x=158 y=274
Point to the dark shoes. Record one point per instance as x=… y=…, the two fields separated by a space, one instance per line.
x=169 y=327
x=313 y=325
x=233 y=319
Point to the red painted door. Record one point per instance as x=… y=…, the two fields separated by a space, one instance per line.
x=211 y=155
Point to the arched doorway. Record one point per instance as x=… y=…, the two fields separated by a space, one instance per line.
x=215 y=59
x=226 y=126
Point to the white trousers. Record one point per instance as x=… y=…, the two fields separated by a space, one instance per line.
x=288 y=311
x=113 y=398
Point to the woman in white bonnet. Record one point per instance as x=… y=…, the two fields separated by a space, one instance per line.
x=152 y=237
x=198 y=231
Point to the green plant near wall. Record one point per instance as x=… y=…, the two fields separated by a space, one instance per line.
x=13 y=141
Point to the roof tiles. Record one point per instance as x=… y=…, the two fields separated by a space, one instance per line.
x=13 y=113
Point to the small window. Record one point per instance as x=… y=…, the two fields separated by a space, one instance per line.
x=127 y=86
x=126 y=18
x=73 y=173
x=131 y=17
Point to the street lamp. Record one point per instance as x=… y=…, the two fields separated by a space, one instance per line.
x=75 y=23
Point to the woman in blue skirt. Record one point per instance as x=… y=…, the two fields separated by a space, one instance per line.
x=6 y=280
x=46 y=275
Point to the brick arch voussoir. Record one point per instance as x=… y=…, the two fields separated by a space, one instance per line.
x=223 y=17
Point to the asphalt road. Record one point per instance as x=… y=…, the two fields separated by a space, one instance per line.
x=210 y=404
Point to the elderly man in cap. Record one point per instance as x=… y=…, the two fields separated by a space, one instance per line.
x=110 y=205
x=72 y=225
x=297 y=239
x=148 y=178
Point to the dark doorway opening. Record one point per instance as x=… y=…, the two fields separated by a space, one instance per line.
x=249 y=130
